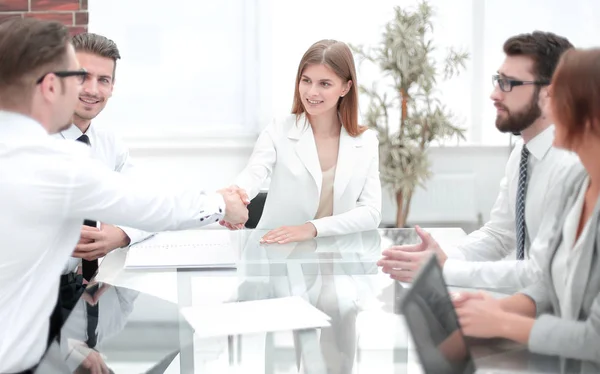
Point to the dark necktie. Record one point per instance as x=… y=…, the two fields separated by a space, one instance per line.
x=92 y=317
x=88 y=268
x=520 y=208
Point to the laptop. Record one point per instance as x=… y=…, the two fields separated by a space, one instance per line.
x=433 y=324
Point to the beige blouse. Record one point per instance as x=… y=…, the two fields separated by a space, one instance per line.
x=326 y=200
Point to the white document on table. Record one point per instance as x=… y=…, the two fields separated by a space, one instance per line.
x=248 y=317
x=209 y=249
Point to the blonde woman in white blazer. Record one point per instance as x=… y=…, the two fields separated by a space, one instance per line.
x=324 y=166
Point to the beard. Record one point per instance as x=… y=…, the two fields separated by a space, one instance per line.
x=516 y=122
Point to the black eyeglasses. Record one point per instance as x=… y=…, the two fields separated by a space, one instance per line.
x=507 y=84
x=81 y=74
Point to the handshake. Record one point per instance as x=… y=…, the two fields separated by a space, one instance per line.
x=236 y=211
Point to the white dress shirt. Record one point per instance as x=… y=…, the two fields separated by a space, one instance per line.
x=484 y=248
x=568 y=255
x=48 y=187
x=112 y=152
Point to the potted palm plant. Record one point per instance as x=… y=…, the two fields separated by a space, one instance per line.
x=404 y=56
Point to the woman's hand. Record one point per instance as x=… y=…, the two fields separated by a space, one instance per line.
x=459 y=298
x=480 y=315
x=289 y=234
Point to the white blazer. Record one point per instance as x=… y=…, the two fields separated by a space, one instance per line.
x=286 y=151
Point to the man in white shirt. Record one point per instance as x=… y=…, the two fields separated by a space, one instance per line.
x=528 y=192
x=98 y=55
x=48 y=187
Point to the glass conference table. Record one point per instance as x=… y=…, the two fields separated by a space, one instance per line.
x=138 y=327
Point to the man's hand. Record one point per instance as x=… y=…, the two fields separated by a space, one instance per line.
x=93 y=363
x=95 y=243
x=92 y=299
x=402 y=262
x=236 y=211
x=289 y=234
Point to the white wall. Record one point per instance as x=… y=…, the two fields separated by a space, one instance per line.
x=484 y=163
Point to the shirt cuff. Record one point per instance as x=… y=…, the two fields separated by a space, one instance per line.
x=454 y=252
x=214 y=209
x=318 y=226
x=455 y=272
x=135 y=235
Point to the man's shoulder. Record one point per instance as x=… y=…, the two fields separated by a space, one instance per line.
x=44 y=160
x=570 y=170
x=566 y=171
x=59 y=148
x=562 y=161
x=63 y=153
x=109 y=138
x=562 y=155
x=103 y=132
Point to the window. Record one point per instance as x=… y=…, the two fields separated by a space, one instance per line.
x=190 y=68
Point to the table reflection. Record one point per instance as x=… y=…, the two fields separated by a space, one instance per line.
x=330 y=273
x=98 y=334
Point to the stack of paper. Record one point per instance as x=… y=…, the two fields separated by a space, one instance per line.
x=186 y=249
x=247 y=317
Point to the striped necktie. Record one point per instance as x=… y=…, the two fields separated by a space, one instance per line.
x=520 y=208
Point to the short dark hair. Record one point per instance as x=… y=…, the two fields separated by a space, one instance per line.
x=576 y=93
x=97 y=45
x=545 y=48
x=29 y=48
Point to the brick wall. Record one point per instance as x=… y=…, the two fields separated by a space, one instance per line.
x=73 y=13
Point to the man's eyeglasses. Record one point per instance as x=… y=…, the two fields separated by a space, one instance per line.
x=507 y=84
x=80 y=74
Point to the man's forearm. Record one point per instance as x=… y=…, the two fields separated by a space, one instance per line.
x=135 y=235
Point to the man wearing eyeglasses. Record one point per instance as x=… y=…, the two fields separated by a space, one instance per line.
x=48 y=187
x=530 y=187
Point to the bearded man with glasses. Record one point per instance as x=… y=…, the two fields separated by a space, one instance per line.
x=529 y=190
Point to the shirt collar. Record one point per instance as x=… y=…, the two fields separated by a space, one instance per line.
x=72 y=133
x=541 y=143
x=20 y=125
